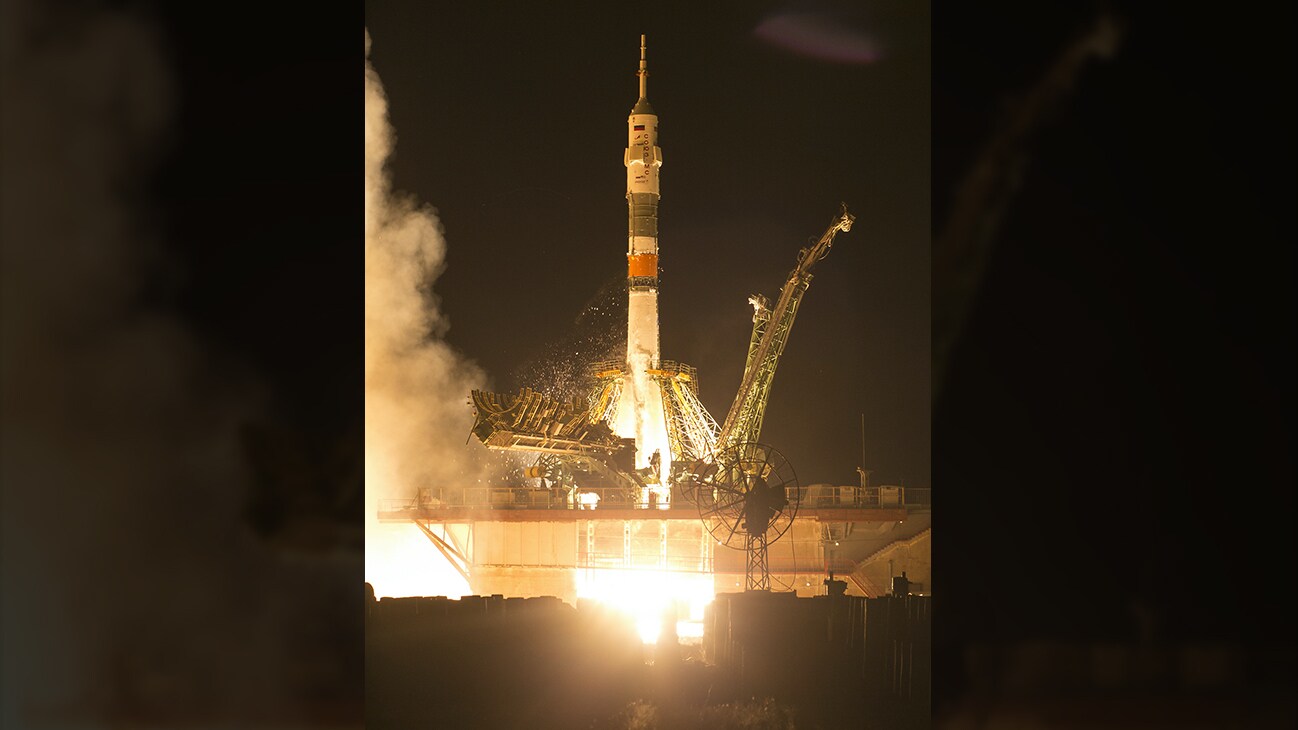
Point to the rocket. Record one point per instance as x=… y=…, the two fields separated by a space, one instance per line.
x=641 y=415
x=642 y=159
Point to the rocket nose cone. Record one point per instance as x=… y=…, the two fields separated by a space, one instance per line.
x=642 y=107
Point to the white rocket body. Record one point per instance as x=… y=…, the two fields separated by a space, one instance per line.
x=640 y=413
x=643 y=158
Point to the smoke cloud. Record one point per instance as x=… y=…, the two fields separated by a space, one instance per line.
x=134 y=592
x=417 y=416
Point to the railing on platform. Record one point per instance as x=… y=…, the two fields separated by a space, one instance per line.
x=822 y=495
x=516 y=498
x=814 y=497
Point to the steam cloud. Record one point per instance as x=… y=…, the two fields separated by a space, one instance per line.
x=416 y=385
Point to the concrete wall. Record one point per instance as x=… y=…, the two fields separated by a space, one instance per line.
x=544 y=544
x=914 y=556
x=525 y=582
x=538 y=558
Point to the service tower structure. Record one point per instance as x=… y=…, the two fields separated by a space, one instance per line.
x=640 y=412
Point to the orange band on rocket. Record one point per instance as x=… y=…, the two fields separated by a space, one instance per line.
x=642 y=265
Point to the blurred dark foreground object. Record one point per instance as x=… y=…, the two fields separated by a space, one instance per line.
x=1062 y=685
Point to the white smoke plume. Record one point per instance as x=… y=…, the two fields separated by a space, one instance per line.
x=417 y=416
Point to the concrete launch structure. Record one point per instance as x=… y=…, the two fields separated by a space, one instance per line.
x=639 y=413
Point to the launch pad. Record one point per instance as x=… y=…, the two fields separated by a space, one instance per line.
x=501 y=538
x=637 y=475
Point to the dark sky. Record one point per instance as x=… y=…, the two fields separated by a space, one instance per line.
x=1116 y=436
x=511 y=123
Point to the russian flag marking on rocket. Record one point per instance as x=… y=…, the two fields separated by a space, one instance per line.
x=639 y=128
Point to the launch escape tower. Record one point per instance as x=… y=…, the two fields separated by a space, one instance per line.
x=642 y=451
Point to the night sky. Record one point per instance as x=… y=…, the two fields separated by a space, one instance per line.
x=1116 y=435
x=511 y=123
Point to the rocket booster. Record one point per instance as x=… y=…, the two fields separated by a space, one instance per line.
x=642 y=160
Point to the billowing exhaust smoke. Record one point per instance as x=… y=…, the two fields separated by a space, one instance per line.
x=416 y=385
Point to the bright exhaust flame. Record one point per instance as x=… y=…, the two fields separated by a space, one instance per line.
x=646 y=596
x=640 y=414
x=400 y=561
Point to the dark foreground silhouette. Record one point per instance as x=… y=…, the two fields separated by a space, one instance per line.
x=767 y=661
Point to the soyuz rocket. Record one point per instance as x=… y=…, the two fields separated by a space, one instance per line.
x=640 y=414
x=642 y=159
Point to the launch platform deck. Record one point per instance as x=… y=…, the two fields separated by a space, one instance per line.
x=502 y=504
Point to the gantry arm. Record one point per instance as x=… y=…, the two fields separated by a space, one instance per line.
x=770 y=333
